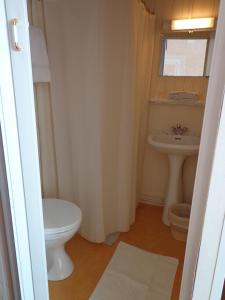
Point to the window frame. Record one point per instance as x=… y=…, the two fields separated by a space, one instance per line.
x=185 y=36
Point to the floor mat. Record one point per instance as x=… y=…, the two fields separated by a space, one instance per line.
x=136 y=274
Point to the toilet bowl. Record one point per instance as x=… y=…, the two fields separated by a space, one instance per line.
x=61 y=221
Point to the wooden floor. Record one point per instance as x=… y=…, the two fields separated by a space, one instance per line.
x=91 y=259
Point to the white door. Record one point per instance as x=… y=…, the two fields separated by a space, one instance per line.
x=208 y=204
x=19 y=136
x=219 y=274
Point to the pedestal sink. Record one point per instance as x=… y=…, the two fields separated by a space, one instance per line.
x=177 y=147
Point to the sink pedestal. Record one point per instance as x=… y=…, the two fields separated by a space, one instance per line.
x=177 y=147
x=174 y=192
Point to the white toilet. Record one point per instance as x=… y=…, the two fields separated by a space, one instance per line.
x=61 y=221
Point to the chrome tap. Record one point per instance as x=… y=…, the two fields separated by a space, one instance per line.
x=179 y=130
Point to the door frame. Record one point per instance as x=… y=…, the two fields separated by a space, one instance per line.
x=219 y=274
x=17 y=118
x=19 y=136
x=208 y=209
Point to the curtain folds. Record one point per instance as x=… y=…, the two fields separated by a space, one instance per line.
x=100 y=57
x=145 y=35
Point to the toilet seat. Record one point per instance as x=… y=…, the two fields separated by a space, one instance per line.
x=60 y=216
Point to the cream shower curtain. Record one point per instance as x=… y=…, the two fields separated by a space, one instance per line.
x=145 y=35
x=100 y=57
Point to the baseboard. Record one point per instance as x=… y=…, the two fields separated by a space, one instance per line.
x=152 y=200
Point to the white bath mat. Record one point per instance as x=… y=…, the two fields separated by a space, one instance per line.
x=136 y=274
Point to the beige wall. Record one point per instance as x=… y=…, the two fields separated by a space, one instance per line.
x=175 y=9
x=155 y=171
x=44 y=117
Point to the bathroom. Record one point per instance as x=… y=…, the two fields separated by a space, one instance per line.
x=106 y=92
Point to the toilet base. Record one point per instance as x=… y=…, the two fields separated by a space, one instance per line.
x=60 y=265
x=62 y=220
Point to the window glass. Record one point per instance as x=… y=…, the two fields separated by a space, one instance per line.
x=184 y=57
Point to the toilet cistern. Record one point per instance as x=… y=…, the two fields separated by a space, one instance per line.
x=178 y=147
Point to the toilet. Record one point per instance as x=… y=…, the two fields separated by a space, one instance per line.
x=62 y=219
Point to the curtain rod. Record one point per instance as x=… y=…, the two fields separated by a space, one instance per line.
x=142 y=1
x=147 y=8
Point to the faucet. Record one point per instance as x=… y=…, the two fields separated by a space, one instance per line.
x=179 y=130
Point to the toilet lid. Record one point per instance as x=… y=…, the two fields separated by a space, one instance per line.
x=60 y=215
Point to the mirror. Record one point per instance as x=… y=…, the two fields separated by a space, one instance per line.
x=186 y=56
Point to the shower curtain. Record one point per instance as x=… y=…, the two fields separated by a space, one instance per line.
x=100 y=57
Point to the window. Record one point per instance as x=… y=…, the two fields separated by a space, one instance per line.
x=184 y=57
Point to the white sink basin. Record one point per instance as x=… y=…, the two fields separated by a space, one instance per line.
x=175 y=144
x=177 y=147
